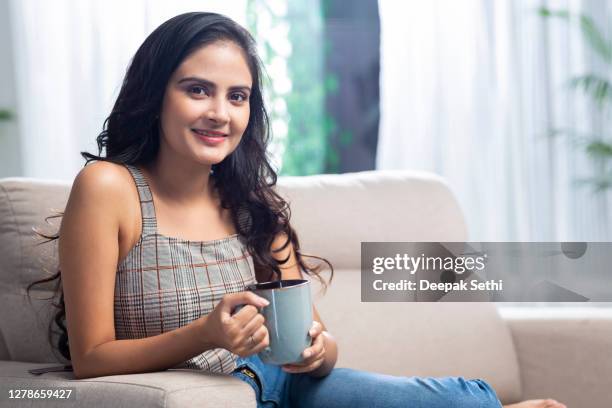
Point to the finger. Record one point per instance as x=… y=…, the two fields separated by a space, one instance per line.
x=229 y=302
x=253 y=341
x=253 y=323
x=320 y=354
x=317 y=345
x=315 y=329
x=246 y=314
x=259 y=335
x=290 y=368
x=262 y=342
x=248 y=298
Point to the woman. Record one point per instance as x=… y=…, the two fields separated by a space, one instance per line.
x=162 y=234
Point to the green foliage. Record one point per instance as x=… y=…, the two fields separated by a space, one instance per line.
x=599 y=149
x=346 y=137
x=306 y=147
x=598 y=89
x=591 y=33
x=5 y=115
x=331 y=83
x=599 y=183
x=303 y=146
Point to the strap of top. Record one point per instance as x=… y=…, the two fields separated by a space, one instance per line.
x=147 y=209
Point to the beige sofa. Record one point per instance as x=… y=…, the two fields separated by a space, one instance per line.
x=522 y=356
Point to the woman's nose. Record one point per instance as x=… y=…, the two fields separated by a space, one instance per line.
x=218 y=112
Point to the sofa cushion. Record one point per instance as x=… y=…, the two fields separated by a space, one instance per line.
x=24 y=204
x=167 y=389
x=564 y=353
x=25 y=324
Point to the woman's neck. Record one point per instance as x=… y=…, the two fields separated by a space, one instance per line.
x=180 y=181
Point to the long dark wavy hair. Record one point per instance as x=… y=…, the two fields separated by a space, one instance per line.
x=244 y=179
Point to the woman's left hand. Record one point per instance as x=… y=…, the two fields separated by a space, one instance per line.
x=313 y=356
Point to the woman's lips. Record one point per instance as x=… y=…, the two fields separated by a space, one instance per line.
x=207 y=132
x=211 y=138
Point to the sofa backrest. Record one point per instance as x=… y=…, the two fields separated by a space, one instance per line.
x=334 y=213
x=24 y=204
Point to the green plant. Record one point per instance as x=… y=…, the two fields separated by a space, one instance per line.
x=599 y=89
x=302 y=125
x=5 y=115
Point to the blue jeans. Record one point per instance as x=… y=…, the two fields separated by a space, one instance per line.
x=345 y=387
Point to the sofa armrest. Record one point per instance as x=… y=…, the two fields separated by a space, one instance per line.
x=168 y=389
x=564 y=354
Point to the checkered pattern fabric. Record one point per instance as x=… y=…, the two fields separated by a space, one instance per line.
x=165 y=283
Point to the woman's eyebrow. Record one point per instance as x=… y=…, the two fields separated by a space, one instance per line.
x=212 y=84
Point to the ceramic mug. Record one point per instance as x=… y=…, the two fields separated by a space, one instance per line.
x=288 y=319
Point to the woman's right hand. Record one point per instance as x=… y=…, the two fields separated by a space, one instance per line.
x=242 y=333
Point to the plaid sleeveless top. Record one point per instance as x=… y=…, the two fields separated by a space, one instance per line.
x=165 y=282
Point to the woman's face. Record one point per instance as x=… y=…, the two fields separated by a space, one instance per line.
x=206 y=107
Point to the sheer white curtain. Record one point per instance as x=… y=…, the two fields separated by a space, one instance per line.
x=469 y=89
x=70 y=58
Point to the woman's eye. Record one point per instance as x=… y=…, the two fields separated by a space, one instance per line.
x=198 y=90
x=238 y=97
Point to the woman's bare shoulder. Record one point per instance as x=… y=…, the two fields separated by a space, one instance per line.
x=103 y=174
x=103 y=201
x=105 y=183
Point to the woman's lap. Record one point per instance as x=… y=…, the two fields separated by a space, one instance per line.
x=345 y=387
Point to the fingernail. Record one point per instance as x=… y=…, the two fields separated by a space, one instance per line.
x=306 y=354
x=265 y=302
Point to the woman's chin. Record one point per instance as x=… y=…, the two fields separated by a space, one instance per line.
x=209 y=161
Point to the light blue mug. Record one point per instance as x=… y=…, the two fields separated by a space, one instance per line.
x=288 y=319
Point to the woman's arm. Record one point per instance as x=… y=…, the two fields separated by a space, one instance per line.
x=156 y=353
x=88 y=251
x=291 y=270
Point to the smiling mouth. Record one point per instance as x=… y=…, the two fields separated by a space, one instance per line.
x=208 y=133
